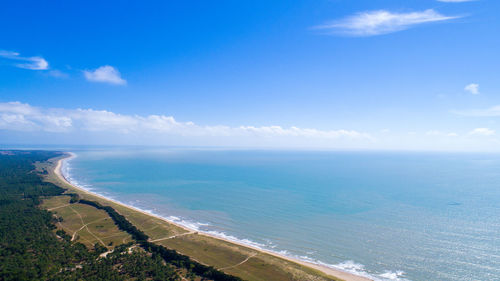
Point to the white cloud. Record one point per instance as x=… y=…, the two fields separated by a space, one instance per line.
x=482 y=132
x=16 y=116
x=487 y=112
x=105 y=74
x=472 y=88
x=381 y=22
x=33 y=63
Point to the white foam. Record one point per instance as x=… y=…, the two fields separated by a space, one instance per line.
x=235 y=239
x=390 y=275
x=174 y=218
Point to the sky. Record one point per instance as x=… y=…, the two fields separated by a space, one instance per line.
x=326 y=74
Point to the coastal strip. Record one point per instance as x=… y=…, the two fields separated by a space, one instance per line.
x=324 y=269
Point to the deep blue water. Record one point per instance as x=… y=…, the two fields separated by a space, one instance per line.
x=393 y=216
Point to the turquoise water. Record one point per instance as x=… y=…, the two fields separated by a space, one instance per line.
x=391 y=216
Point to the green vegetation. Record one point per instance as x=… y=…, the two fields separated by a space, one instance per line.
x=85 y=224
x=32 y=249
x=168 y=255
x=119 y=220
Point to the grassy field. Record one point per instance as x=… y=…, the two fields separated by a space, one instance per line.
x=85 y=224
x=92 y=226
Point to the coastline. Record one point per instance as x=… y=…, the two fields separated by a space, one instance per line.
x=347 y=276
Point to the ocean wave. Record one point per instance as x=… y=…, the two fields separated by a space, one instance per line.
x=390 y=275
x=348 y=266
x=360 y=270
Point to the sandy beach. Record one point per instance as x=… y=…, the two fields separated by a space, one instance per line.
x=327 y=270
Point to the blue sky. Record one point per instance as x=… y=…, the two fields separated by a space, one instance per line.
x=418 y=75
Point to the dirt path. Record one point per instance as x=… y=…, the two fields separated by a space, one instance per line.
x=70 y=230
x=244 y=261
x=173 y=236
x=103 y=255
x=81 y=218
x=85 y=225
x=154 y=227
x=51 y=209
x=95 y=236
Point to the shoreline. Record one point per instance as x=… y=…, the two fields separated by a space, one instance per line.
x=347 y=276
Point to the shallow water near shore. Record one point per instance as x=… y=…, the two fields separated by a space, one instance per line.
x=387 y=215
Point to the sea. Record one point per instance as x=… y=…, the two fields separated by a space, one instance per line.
x=383 y=215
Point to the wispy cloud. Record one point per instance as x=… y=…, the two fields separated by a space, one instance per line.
x=379 y=22
x=57 y=74
x=486 y=112
x=472 y=88
x=18 y=116
x=482 y=132
x=105 y=74
x=33 y=63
